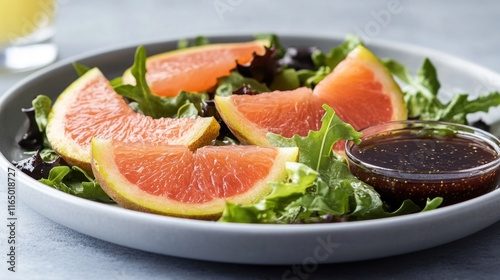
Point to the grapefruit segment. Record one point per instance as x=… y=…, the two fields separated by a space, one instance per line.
x=251 y=117
x=175 y=181
x=90 y=108
x=195 y=69
x=360 y=90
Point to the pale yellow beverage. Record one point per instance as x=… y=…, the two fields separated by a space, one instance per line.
x=26 y=21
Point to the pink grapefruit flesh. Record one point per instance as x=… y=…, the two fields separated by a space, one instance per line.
x=175 y=181
x=195 y=69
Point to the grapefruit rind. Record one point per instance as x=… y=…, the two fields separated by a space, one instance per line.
x=73 y=153
x=130 y=196
x=128 y=78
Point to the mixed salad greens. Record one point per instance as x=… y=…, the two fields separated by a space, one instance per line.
x=320 y=187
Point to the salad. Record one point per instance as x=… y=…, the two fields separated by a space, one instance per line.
x=320 y=187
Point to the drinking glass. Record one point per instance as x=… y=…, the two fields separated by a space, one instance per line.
x=26 y=30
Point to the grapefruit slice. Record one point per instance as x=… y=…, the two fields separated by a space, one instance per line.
x=90 y=107
x=195 y=69
x=360 y=90
x=172 y=180
x=251 y=117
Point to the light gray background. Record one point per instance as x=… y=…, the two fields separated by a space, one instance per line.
x=467 y=29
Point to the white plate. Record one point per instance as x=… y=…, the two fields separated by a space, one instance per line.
x=247 y=243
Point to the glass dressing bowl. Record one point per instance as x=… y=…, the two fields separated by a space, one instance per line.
x=420 y=160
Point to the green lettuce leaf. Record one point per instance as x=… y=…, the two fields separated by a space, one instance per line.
x=42 y=105
x=337 y=54
x=228 y=84
x=153 y=105
x=80 y=68
x=460 y=106
x=77 y=182
x=422 y=100
x=326 y=62
x=287 y=79
x=311 y=78
x=315 y=149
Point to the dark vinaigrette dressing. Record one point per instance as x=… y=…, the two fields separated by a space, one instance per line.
x=427 y=154
x=422 y=165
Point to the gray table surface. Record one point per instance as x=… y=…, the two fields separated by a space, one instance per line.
x=467 y=29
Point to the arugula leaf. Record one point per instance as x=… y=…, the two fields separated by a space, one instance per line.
x=228 y=84
x=48 y=155
x=77 y=182
x=320 y=187
x=326 y=62
x=398 y=69
x=315 y=149
x=80 y=68
x=421 y=95
x=300 y=179
x=421 y=92
x=149 y=104
x=116 y=82
x=460 y=106
x=336 y=54
x=42 y=105
x=432 y=204
x=310 y=78
x=153 y=105
x=188 y=110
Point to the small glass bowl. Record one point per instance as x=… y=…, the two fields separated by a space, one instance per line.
x=417 y=160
